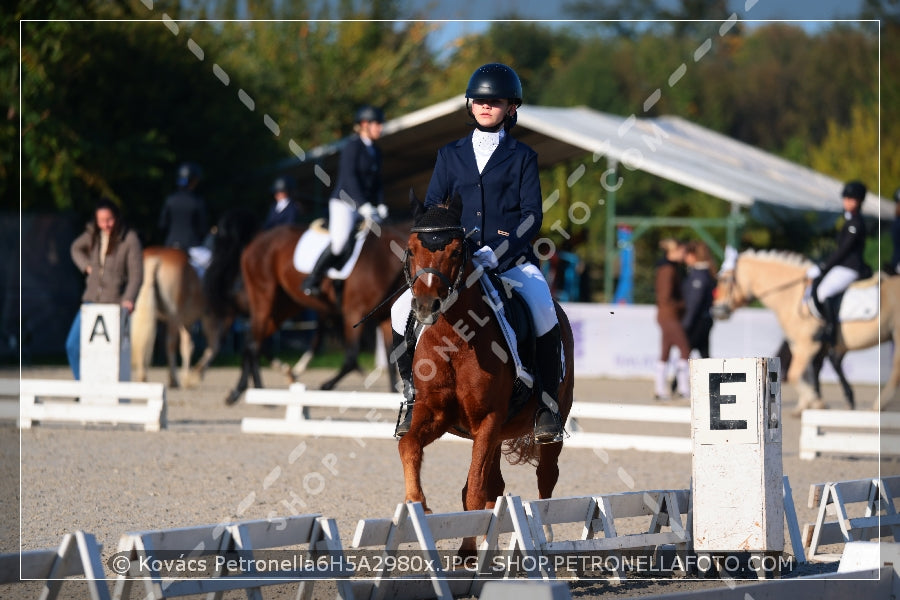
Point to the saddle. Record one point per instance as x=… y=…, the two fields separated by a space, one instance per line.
x=315 y=241
x=859 y=302
x=321 y=226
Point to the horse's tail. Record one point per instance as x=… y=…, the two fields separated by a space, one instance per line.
x=143 y=319
x=521 y=450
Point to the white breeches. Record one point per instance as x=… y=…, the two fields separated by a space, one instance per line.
x=835 y=281
x=341 y=218
x=526 y=278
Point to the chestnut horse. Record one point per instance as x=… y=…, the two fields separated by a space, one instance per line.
x=274 y=294
x=174 y=293
x=778 y=281
x=463 y=384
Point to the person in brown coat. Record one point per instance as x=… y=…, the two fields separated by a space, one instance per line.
x=669 y=310
x=111 y=257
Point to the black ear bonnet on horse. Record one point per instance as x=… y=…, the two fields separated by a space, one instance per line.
x=439 y=224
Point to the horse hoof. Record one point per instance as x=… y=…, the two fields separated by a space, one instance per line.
x=327 y=386
x=233 y=397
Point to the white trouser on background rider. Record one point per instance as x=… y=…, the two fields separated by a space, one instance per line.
x=341 y=217
x=835 y=281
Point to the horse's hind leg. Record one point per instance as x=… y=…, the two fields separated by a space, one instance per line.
x=187 y=348
x=891 y=391
x=351 y=363
x=246 y=368
x=548 y=475
x=837 y=360
x=173 y=335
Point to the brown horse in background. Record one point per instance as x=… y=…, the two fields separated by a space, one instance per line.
x=172 y=292
x=274 y=294
x=462 y=385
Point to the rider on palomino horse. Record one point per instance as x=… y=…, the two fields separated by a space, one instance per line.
x=845 y=265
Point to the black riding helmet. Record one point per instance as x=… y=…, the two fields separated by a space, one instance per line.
x=285 y=183
x=855 y=190
x=369 y=113
x=187 y=173
x=494 y=81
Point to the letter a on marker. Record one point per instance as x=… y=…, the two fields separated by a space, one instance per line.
x=99 y=329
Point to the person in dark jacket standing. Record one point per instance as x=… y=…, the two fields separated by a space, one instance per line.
x=111 y=258
x=497 y=178
x=669 y=311
x=357 y=193
x=284 y=211
x=845 y=265
x=697 y=290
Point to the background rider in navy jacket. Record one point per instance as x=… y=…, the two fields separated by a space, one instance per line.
x=358 y=191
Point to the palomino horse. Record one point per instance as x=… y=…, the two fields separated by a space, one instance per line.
x=778 y=281
x=173 y=292
x=274 y=294
x=463 y=384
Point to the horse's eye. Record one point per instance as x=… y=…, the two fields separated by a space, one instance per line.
x=456 y=253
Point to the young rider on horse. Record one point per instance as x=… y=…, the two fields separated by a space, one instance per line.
x=845 y=265
x=497 y=179
x=358 y=191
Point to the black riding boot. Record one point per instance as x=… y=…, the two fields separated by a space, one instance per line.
x=404 y=357
x=312 y=283
x=548 y=427
x=829 y=309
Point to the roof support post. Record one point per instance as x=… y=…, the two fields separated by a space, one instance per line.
x=610 y=186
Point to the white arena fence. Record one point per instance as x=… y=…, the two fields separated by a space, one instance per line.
x=623 y=340
x=373 y=415
x=512 y=544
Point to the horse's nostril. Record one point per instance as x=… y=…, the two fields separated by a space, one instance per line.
x=435 y=305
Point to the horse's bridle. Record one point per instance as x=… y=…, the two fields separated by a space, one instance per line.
x=454 y=231
x=732 y=276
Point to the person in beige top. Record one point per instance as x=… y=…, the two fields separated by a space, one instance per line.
x=110 y=256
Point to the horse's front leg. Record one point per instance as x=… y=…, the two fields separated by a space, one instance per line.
x=803 y=355
x=494 y=486
x=485 y=459
x=425 y=428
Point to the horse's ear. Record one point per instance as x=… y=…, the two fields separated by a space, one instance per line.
x=417 y=207
x=454 y=205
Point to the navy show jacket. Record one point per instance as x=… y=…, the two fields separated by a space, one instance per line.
x=359 y=173
x=504 y=201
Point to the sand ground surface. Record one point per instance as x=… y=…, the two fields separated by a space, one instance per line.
x=110 y=480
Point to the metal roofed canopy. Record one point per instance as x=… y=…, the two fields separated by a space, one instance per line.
x=669 y=147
